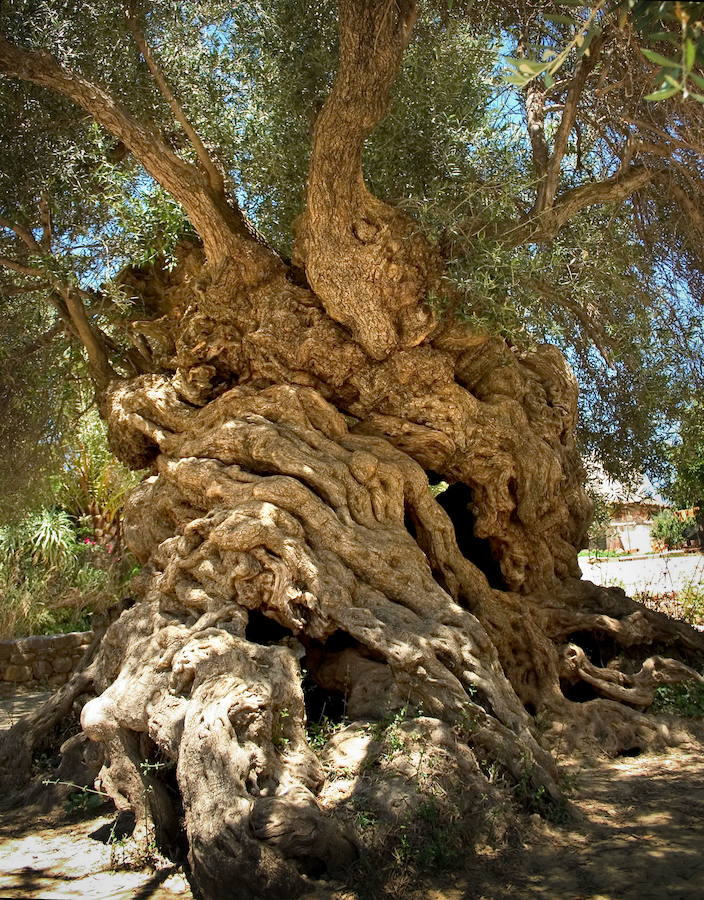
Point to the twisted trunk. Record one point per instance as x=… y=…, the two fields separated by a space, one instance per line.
x=287 y=527
x=295 y=561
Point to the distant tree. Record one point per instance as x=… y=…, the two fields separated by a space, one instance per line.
x=670 y=530
x=687 y=458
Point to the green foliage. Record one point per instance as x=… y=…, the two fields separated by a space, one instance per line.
x=319 y=733
x=453 y=152
x=601 y=516
x=61 y=563
x=49 y=582
x=93 y=484
x=45 y=539
x=683 y=699
x=687 y=458
x=676 y=74
x=670 y=530
x=692 y=600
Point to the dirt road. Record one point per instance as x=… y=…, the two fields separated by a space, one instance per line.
x=656 y=575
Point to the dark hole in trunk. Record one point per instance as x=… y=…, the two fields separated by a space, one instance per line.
x=322 y=703
x=578 y=692
x=263 y=630
x=456 y=501
x=600 y=649
x=410 y=524
x=530 y=708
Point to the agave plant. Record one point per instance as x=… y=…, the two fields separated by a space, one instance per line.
x=93 y=484
x=46 y=537
x=52 y=538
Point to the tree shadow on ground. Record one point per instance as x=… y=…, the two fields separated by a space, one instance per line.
x=638 y=832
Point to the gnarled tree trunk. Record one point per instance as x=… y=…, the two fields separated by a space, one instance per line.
x=291 y=426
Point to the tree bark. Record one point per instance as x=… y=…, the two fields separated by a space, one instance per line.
x=287 y=527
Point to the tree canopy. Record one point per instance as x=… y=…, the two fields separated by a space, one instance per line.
x=567 y=208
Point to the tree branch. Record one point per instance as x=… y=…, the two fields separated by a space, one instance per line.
x=535 y=116
x=24 y=234
x=373 y=36
x=45 y=222
x=14 y=290
x=594 y=329
x=43 y=340
x=91 y=338
x=544 y=226
x=214 y=175
x=23 y=269
x=549 y=185
x=220 y=226
x=345 y=231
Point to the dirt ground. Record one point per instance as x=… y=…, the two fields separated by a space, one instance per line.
x=636 y=831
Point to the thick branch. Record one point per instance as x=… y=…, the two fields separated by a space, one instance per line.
x=214 y=175
x=217 y=223
x=91 y=339
x=365 y=260
x=373 y=36
x=546 y=225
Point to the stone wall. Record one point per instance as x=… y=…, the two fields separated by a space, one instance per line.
x=47 y=659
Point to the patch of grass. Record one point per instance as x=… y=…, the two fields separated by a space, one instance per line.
x=602 y=554
x=319 y=733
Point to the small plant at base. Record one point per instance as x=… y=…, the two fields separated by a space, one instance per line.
x=319 y=733
x=83 y=798
x=692 y=600
x=683 y=699
x=365 y=819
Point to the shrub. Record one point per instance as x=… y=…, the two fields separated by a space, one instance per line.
x=671 y=531
x=50 y=581
x=684 y=699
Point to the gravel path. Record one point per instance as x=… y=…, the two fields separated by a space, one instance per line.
x=657 y=575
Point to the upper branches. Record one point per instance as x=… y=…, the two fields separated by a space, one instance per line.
x=373 y=36
x=363 y=258
x=219 y=223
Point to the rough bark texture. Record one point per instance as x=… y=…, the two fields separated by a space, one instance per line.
x=287 y=525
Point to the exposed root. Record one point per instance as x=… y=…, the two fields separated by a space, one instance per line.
x=272 y=539
x=37 y=731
